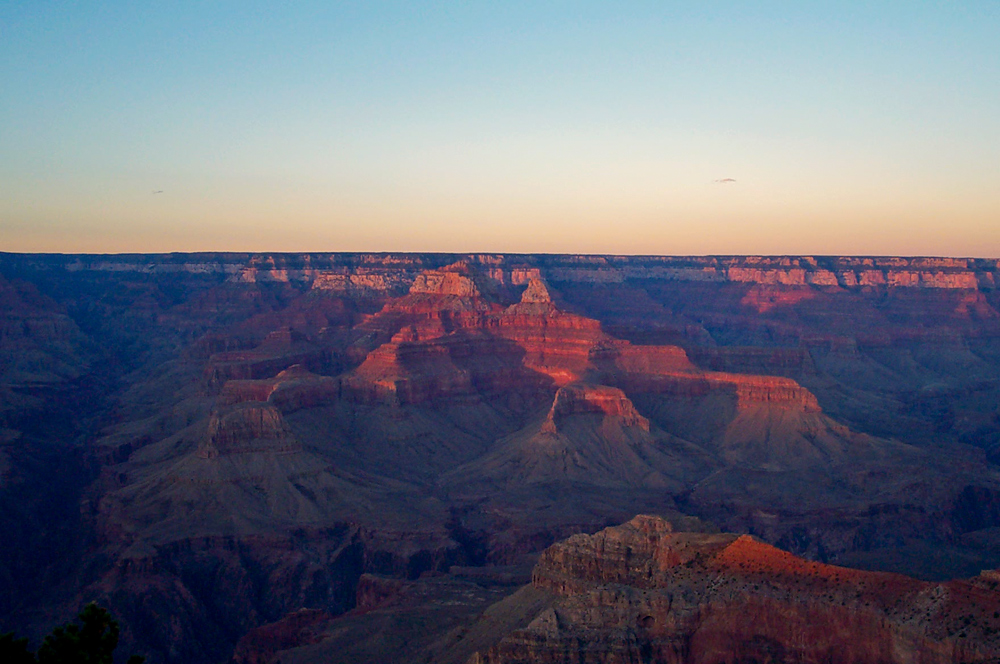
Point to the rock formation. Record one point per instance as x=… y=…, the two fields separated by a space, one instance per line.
x=643 y=592
x=575 y=399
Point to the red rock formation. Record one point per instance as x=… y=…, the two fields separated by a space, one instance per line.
x=364 y=281
x=771 y=390
x=247 y=427
x=377 y=591
x=239 y=391
x=420 y=363
x=259 y=645
x=639 y=360
x=453 y=339
x=456 y=280
x=401 y=269
x=407 y=370
x=556 y=343
x=280 y=349
x=293 y=389
x=577 y=398
x=642 y=592
x=748 y=391
x=592 y=435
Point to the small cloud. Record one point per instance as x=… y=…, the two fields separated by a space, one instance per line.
x=725 y=181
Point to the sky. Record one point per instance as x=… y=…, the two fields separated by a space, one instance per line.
x=560 y=127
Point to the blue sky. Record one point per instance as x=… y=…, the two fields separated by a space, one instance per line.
x=865 y=128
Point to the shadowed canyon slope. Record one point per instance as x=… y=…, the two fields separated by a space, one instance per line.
x=233 y=440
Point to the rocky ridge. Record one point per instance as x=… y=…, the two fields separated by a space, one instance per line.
x=392 y=271
x=644 y=592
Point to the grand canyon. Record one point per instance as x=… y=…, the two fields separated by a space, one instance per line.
x=486 y=458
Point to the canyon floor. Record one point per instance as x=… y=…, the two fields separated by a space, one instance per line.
x=429 y=457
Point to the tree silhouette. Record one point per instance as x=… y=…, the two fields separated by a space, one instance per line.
x=14 y=651
x=92 y=641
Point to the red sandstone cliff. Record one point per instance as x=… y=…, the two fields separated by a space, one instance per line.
x=575 y=399
x=643 y=592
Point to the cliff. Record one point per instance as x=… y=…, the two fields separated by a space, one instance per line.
x=577 y=399
x=248 y=427
x=643 y=592
x=389 y=271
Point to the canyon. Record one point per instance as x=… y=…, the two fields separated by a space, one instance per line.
x=295 y=457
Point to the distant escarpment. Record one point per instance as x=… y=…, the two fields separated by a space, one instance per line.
x=388 y=271
x=644 y=592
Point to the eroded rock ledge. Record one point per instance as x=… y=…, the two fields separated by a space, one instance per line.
x=357 y=272
x=643 y=592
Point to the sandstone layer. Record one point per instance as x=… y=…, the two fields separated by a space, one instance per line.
x=642 y=592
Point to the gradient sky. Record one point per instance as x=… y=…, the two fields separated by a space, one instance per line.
x=848 y=127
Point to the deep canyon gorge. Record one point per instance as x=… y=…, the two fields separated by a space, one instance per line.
x=504 y=458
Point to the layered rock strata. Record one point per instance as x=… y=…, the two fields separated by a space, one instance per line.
x=578 y=399
x=229 y=438
x=643 y=592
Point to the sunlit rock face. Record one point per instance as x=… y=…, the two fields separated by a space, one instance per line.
x=456 y=280
x=645 y=592
x=598 y=399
